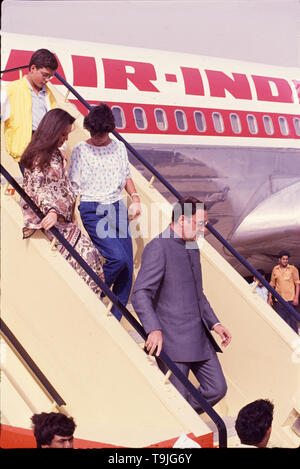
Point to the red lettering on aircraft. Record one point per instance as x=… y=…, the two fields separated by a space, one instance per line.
x=238 y=86
x=192 y=81
x=16 y=58
x=171 y=77
x=84 y=71
x=118 y=72
x=297 y=86
x=272 y=89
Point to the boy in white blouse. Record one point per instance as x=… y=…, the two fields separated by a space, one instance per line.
x=99 y=171
x=258 y=287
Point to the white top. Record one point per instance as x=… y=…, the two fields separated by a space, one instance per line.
x=40 y=105
x=261 y=291
x=99 y=173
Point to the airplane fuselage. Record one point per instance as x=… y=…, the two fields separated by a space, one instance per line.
x=225 y=131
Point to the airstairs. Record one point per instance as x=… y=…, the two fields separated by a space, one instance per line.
x=62 y=349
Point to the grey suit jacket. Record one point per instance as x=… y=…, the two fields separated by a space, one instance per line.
x=168 y=295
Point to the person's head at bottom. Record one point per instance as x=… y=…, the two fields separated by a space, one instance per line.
x=254 y=423
x=53 y=430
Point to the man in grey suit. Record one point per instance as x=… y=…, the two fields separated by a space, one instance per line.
x=169 y=300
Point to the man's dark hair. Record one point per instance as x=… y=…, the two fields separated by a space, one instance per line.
x=46 y=425
x=253 y=421
x=99 y=120
x=283 y=253
x=43 y=58
x=186 y=206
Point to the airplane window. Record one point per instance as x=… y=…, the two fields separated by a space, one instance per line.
x=235 y=123
x=181 y=120
x=252 y=124
x=119 y=117
x=218 y=122
x=284 y=128
x=140 y=118
x=161 y=119
x=268 y=124
x=200 y=121
x=297 y=125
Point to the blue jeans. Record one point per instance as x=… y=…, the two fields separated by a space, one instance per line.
x=108 y=228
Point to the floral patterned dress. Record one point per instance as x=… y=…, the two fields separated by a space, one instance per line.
x=51 y=189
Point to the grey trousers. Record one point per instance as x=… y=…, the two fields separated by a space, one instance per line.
x=209 y=373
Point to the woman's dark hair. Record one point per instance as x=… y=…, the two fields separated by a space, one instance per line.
x=46 y=425
x=99 y=120
x=45 y=139
x=186 y=206
x=43 y=58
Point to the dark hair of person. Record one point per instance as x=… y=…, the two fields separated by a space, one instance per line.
x=43 y=58
x=100 y=120
x=283 y=253
x=261 y=271
x=253 y=421
x=45 y=139
x=186 y=206
x=46 y=425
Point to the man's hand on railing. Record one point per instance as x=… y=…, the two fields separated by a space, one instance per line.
x=154 y=342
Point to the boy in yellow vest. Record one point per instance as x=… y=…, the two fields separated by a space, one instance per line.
x=26 y=101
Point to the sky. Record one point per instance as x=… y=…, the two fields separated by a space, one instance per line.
x=265 y=31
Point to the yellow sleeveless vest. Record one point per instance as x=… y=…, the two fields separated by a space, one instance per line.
x=18 y=128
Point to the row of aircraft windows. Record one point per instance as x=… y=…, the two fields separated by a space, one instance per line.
x=200 y=121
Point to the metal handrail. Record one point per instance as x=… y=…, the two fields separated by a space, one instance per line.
x=220 y=238
x=225 y=243
x=130 y=318
x=39 y=375
x=14 y=69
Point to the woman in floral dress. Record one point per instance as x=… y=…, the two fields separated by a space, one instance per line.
x=47 y=183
